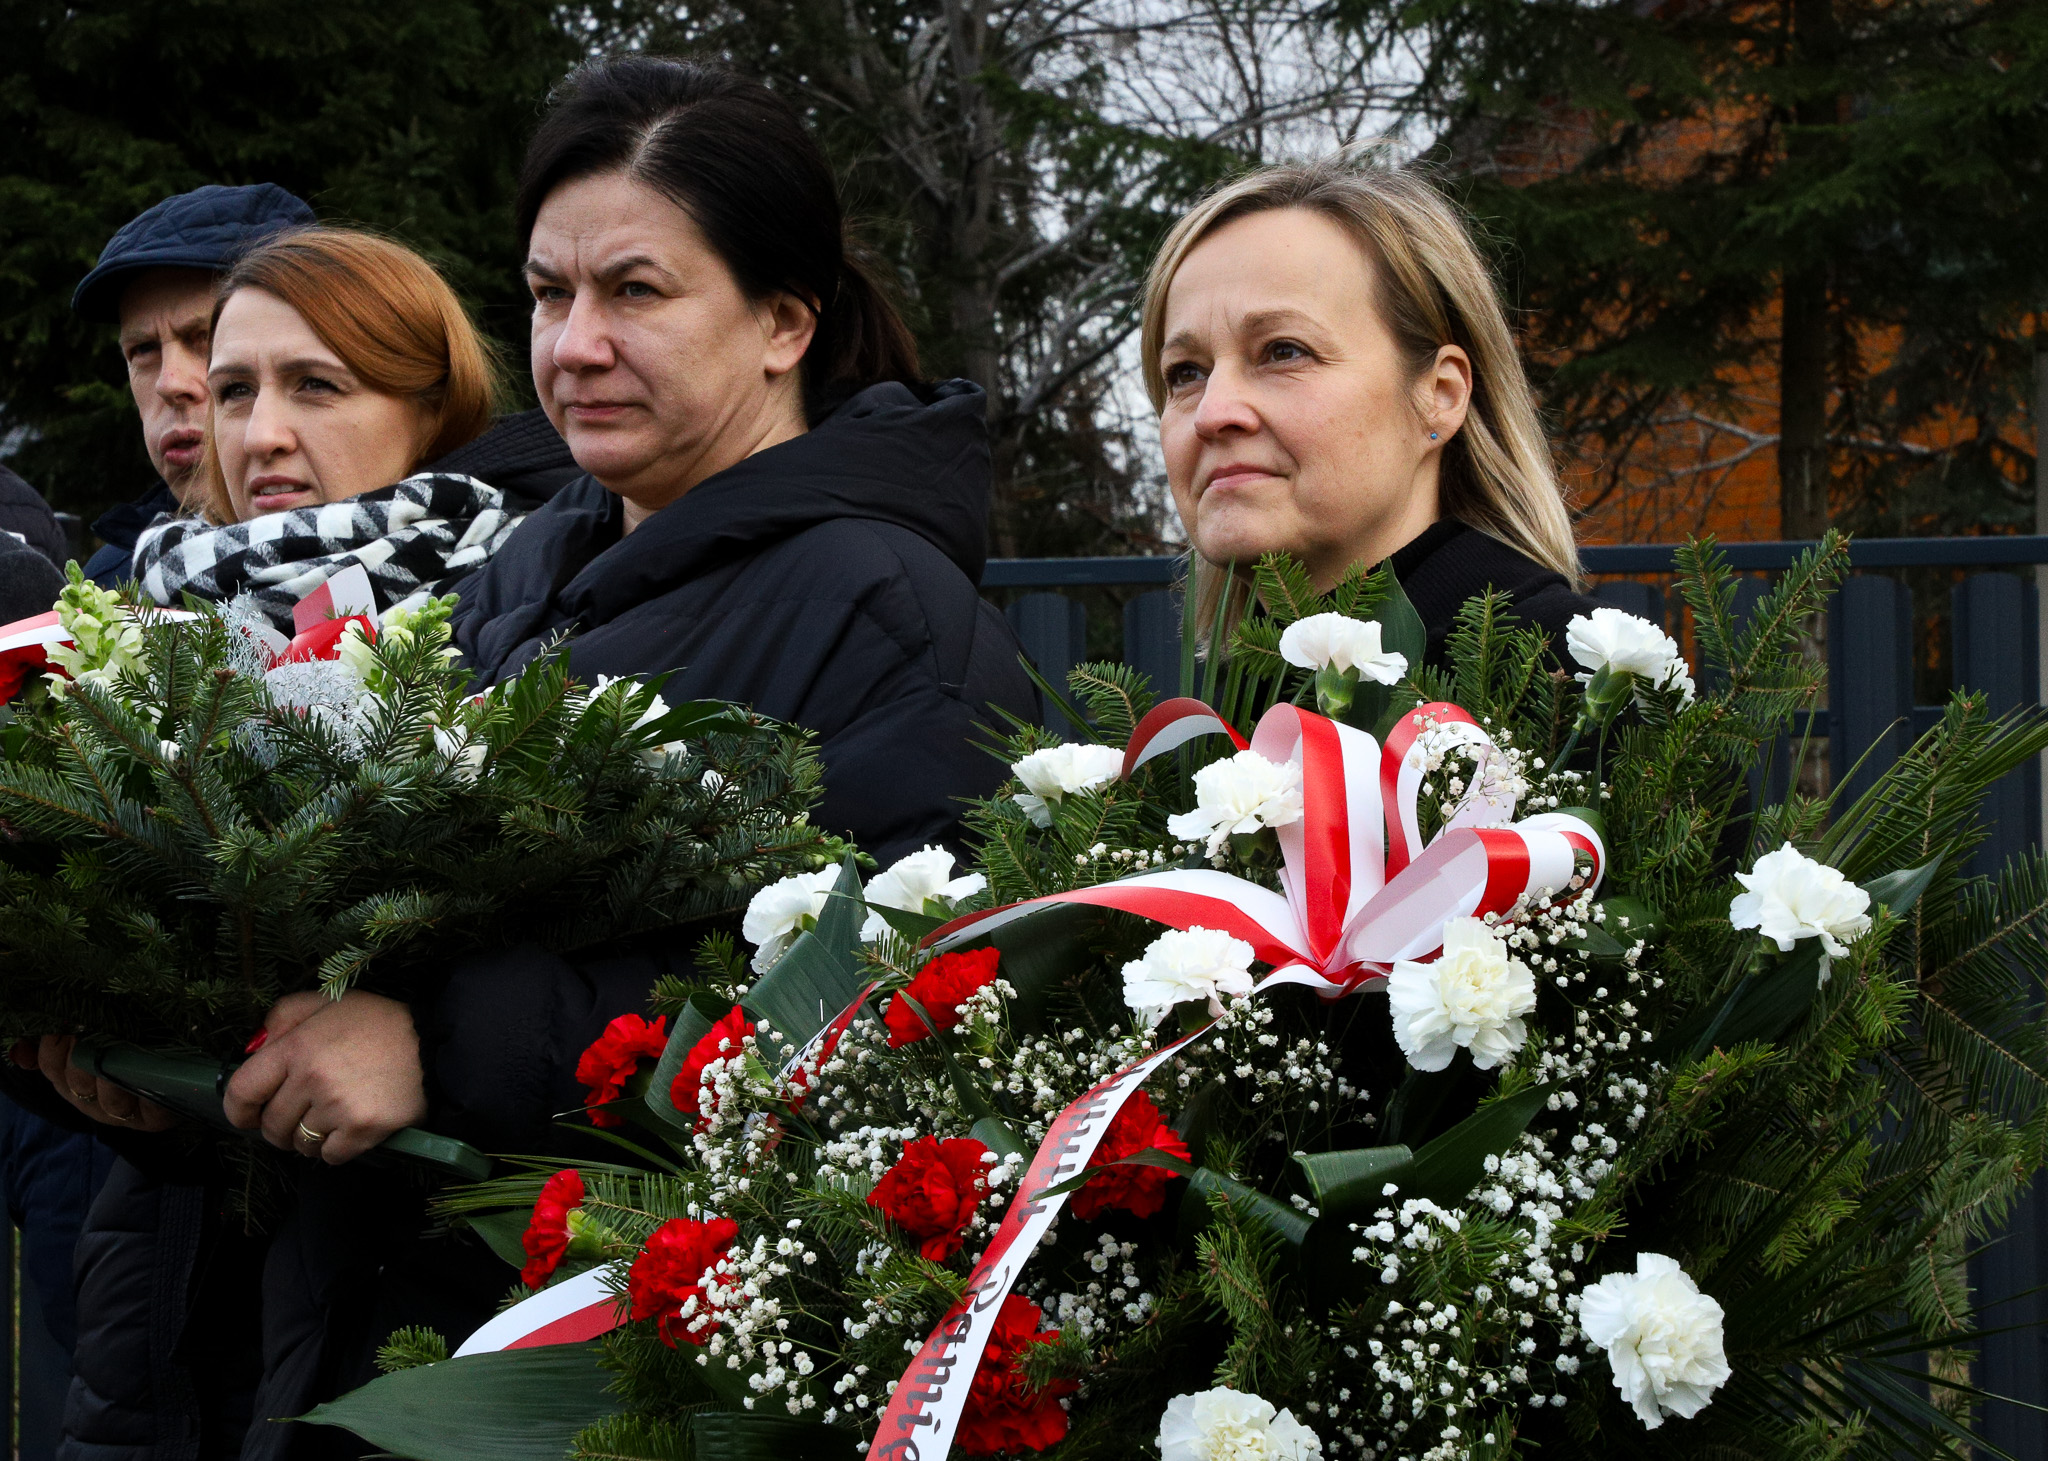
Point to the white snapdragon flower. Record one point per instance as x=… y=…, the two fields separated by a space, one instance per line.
x=911 y=882
x=1229 y=1425
x=358 y=655
x=1184 y=965
x=1792 y=897
x=1334 y=642
x=465 y=755
x=1240 y=794
x=1662 y=1337
x=1620 y=643
x=1058 y=771
x=782 y=910
x=1474 y=995
x=106 y=639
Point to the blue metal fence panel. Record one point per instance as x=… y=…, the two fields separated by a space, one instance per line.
x=1996 y=652
x=1870 y=680
x=1632 y=596
x=1054 y=632
x=1152 y=639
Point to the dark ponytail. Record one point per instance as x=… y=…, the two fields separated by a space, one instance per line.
x=735 y=157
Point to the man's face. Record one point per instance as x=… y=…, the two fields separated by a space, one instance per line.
x=166 y=321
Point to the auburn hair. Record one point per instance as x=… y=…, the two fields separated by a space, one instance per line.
x=391 y=318
x=1433 y=289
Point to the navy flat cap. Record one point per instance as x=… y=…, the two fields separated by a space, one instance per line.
x=208 y=228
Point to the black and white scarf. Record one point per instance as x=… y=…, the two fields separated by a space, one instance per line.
x=414 y=539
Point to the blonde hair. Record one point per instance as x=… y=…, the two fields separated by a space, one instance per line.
x=1433 y=289
x=391 y=318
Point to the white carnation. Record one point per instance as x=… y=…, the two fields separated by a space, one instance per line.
x=1058 y=771
x=1229 y=1425
x=1608 y=639
x=784 y=909
x=1662 y=1337
x=1183 y=965
x=911 y=882
x=1792 y=897
x=1332 y=641
x=1474 y=995
x=1241 y=794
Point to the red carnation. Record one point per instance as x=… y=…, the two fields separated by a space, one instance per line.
x=931 y=1194
x=940 y=987
x=721 y=1042
x=1003 y=1412
x=614 y=1058
x=669 y=1273
x=1138 y=1189
x=547 y=1236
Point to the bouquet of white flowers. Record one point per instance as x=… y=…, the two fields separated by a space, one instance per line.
x=1461 y=1068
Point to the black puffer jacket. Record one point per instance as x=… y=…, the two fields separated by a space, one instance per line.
x=828 y=581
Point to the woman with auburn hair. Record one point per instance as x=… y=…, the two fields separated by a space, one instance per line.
x=1335 y=379
x=342 y=362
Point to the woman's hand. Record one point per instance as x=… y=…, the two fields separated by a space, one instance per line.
x=102 y=1100
x=346 y=1070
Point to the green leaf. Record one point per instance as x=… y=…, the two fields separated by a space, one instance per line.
x=1150 y=1157
x=1900 y=890
x=1765 y=1005
x=1276 y=1216
x=1402 y=631
x=735 y=1435
x=692 y=1024
x=1345 y=1182
x=1447 y=1168
x=515 y=1405
x=502 y=1232
x=995 y=1134
x=913 y=926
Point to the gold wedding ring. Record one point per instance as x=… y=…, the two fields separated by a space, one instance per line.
x=309 y=1136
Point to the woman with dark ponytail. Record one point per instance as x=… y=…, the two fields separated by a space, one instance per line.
x=777 y=510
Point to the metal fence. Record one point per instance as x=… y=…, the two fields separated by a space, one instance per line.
x=1884 y=640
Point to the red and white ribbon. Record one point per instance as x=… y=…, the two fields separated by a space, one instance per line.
x=1361 y=892
x=570 y=1312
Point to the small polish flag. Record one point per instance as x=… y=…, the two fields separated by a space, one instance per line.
x=574 y=1310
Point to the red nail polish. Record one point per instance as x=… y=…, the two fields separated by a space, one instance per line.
x=256 y=1044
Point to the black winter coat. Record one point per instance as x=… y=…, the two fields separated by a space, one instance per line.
x=830 y=581
x=1448 y=563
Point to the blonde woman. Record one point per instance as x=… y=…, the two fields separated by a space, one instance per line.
x=1335 y=379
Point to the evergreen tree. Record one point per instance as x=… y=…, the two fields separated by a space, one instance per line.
x=408 y=119
x=1838 y=202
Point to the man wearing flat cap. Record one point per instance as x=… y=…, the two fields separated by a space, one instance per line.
x=155 y=279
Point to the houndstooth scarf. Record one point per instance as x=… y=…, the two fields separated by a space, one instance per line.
x=414 y=539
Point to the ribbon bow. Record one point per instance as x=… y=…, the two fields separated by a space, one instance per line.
x=1362 y=889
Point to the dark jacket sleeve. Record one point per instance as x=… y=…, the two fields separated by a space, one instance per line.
x=500 y=1039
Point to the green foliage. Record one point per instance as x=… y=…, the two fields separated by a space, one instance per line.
x=409 y=120
x=415 y=1344
x=185 y=845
